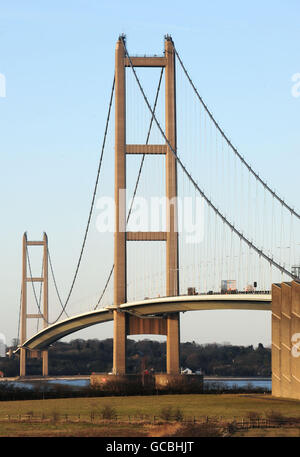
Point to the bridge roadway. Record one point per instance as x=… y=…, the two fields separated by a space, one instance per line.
x=146 y=308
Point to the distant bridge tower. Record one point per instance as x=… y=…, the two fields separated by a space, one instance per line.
x=125 y=324
x=24 y=314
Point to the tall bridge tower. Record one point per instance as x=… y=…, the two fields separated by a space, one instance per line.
x=125 y=324
x=43 y=314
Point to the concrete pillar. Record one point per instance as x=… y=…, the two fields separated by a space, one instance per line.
x=45 y=362
x=285 y=339
x=173 y=344
x=119 y=350
x=172 y=283
x=22 y=362
x=295 y=340
x=276 y=346
x=171 y=174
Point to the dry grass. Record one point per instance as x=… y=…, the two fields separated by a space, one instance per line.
x=228 y=405
x=269 y=432
x=89 y=420
x=79 y=429
x=163 y=430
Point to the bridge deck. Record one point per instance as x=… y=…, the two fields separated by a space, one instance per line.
x=149 y=307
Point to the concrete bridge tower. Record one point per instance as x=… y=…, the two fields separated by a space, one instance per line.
x=125 y=324
x=24 y=314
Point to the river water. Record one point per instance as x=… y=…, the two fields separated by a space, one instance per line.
x=209 y=383
x=232 y=383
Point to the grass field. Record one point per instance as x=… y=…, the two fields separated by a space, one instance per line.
x=224 y=407
x=287 y=432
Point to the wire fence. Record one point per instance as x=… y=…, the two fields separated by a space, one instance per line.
x=218 y=422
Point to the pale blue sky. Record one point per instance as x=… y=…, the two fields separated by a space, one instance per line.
x=58 y=61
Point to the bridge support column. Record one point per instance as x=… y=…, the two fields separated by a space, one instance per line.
x=45 y=371
x=119 y=350
x=276 y=349
x=295 y=340
x=22 y=362
x=286 y=340
x=173 y=344
x=172 y=263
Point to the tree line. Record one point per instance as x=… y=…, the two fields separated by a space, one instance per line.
x=87 y=356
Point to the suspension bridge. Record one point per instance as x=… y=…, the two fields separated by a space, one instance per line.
x=189 y=216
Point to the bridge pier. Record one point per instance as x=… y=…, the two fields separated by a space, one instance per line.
x=286 y=340
x=173 y=343
x=119 y=349
x=22 y=362
x=45 y=365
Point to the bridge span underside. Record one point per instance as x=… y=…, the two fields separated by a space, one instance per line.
x=146 y=308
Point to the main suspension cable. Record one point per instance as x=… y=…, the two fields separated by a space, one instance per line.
x=137 y=181
x=92 y=204
x=19 y=319
x=260 y=252
x=55 y=284
x=231 y=145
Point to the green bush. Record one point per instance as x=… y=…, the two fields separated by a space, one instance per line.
x=178 y=415
x=253 y=417
x=275 y=416
x=108 y=413
x=166 y=413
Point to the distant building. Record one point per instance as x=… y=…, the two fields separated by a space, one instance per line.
x=2 y=349
x=296 y=271
x=249 y=288
x=228 y=286
x=186 y=371
x=192 y=291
